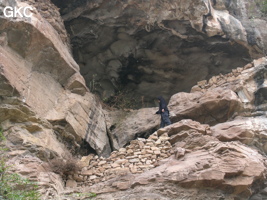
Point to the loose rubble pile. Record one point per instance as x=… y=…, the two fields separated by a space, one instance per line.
x=141 y=155
x=221 y=79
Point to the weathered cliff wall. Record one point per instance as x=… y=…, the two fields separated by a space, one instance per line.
x=161 y=47
x=41 y=86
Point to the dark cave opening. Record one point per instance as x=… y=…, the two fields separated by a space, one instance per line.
x=130 y=72
x=85 y=149
x=132 y=64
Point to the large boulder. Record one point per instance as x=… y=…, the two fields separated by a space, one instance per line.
x=125 y=126
x=212 y=107
x=248 y=130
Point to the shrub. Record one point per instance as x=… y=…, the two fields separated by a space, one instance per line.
x=12 y=185
x=122 y=100
x=64 y=168
x=263 y=6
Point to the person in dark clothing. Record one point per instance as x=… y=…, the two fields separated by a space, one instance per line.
x=164 y=112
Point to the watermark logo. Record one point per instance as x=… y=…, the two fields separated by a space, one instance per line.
x=17 y=12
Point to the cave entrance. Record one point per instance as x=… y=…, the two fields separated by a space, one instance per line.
x=124 y=62
x=85 y=149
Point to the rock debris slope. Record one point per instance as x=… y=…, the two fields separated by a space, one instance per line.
x=199 y=162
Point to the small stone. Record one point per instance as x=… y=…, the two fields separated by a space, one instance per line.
x=122 y=154
x=168 y=144
x=97 y=180
x=92 y=177
x=133 y=142
x=201 y=84
x=131 y=157
x=114 y=165
x=122 y=150
x=143 y=160
x=151 y=144
x=106 y=166
x=134 y=160
x=153 y=137
x=102 y=162
x=148 y=162
x=154 y=148
x=93 y=164
x=100 y=174
x=157 y=152
x=158 y=142
x=101 y=169
x=149 y=151
x=141 y=144
x=133 y=169
x=141 y=139
x=87 y=173
x=164 y=155
x=71 y=183
x=164 y=135
x=179 y=152
x=248 y=66
x=164 y=138
x=143 y=152
x=121 y=161
x=143 y=166
x=130 y=151
x=166 y=148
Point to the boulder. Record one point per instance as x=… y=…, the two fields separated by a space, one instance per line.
x=125 y=126
x=213 y=106
x=248 y=130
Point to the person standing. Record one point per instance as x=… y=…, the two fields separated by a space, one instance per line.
x=164 y=112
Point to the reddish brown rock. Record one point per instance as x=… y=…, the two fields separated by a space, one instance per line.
x=211 y=107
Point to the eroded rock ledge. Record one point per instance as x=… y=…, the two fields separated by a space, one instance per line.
x=198 y=161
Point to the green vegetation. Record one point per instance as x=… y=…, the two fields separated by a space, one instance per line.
x=255 y=7
x=262 y=5
x=12 y=185
x=65 y=168
x=83 y=195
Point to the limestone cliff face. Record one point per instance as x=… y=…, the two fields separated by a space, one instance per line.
x=41 y=88
x=152 y=47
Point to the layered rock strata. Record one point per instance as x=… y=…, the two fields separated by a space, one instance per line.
x=43 y=94
x=198 y=162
